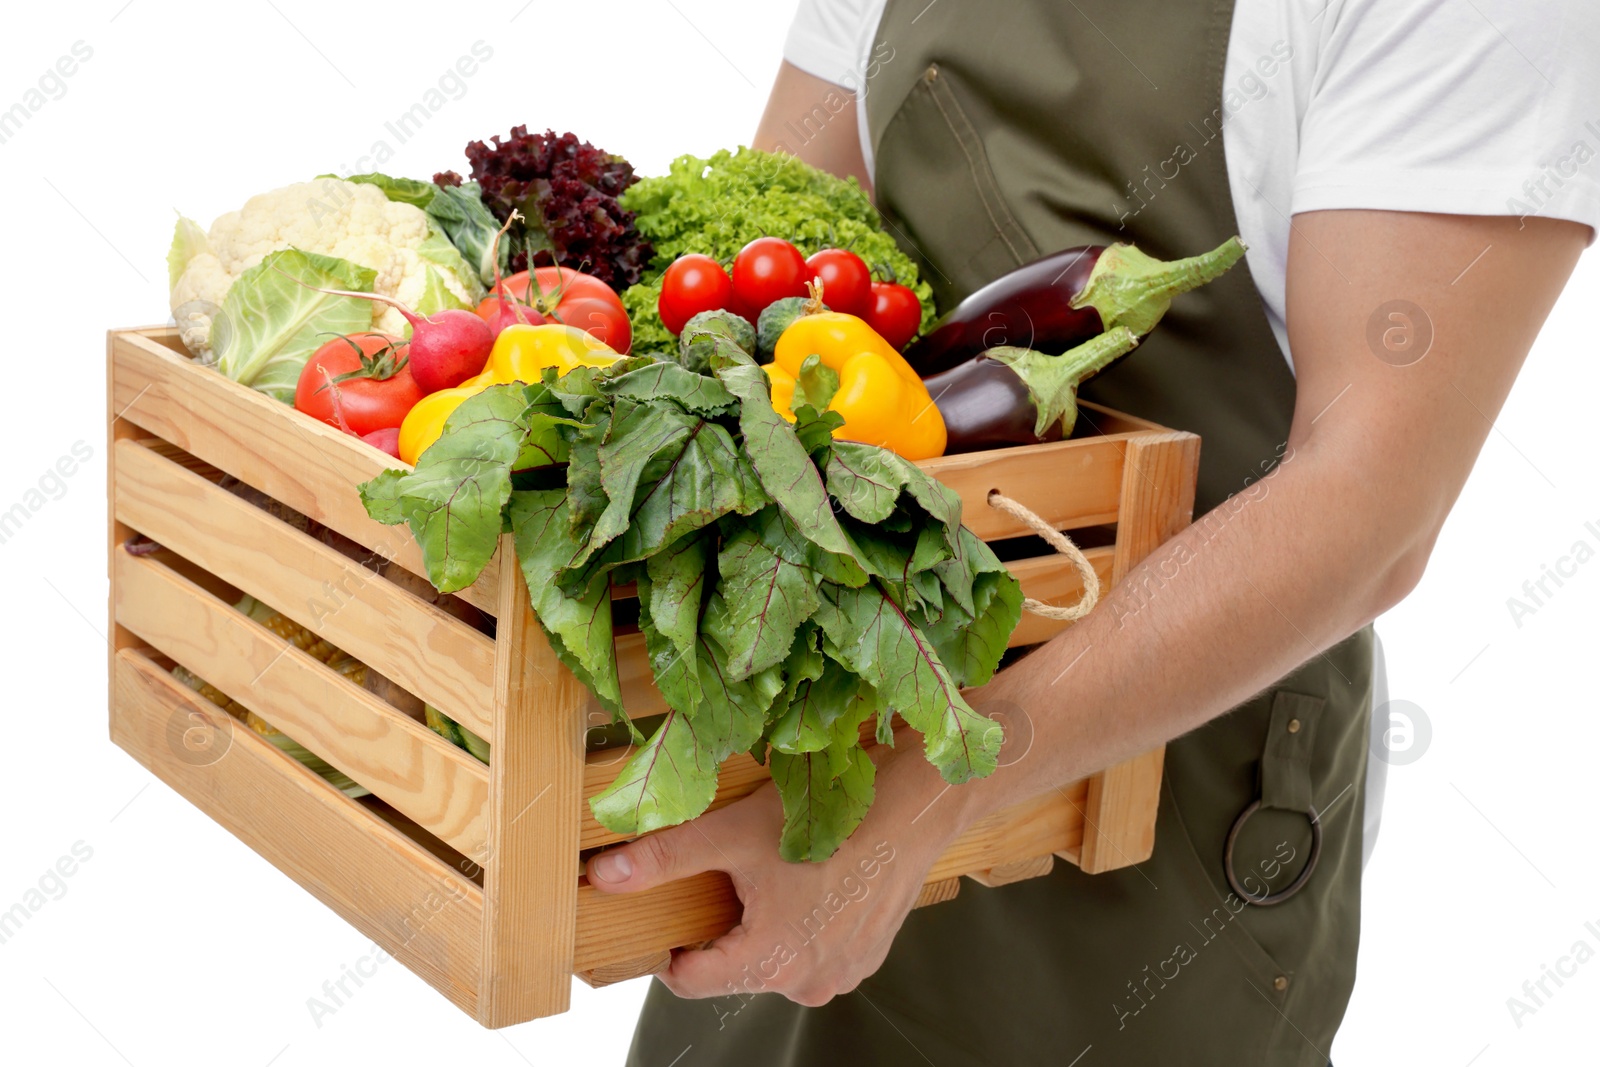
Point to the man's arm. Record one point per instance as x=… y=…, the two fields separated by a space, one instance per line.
x=815 y=120
x=1338 y=533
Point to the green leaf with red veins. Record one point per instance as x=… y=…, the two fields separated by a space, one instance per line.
x=971 y=646
x=665 y=473
x=669 y=780
x=871 y=635
x=672 y=381
x=786 y=469
x=767 y=599
x=453 y=499
x=677 y=578
x=673 y=777
x=865 y=479
x=816 y=706
x=825 y=796
x=579 y=628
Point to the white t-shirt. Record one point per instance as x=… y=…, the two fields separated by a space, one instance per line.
x=1465 y=107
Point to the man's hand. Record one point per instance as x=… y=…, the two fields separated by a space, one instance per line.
x=810 y=931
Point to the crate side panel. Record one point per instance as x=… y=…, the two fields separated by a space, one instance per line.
x=441 y=659
x=307 y=465
x=1067 y=483
x=387 y=887
x=430 y=781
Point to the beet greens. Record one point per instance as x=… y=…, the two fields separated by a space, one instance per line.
x=794 y=591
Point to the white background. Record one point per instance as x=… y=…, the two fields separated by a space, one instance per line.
x=176 y=945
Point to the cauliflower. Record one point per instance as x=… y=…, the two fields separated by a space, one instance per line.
x=414 y=260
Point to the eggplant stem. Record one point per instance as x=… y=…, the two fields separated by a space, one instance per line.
x=1132 y=289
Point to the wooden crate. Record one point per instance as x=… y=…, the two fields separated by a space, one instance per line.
x=470 y=874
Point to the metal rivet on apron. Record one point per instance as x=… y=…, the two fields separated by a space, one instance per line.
x=1280 y=983
x=1294 y=726
x=931 y=73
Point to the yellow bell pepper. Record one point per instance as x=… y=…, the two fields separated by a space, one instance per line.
x=425 y=422
x=883 y=400
x=834 y=337
x=520 y=354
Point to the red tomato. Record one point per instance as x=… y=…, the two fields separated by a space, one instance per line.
x=377 y=393
x=846 y=281
x=768 y=269
x=562 y=294
x=500 y=313
x=694 y=283
x=896 y=313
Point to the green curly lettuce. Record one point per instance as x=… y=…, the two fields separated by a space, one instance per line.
x=716 y=206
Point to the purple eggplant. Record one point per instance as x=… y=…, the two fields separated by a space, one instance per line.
x=1064 y=299
x=1019 y=396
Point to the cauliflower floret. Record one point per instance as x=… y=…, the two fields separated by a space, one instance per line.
x=353 y=221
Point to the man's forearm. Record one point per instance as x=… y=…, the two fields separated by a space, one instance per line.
x=1285 y=569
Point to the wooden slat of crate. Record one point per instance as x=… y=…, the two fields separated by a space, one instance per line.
x=1069 y=484
x=430 y=781
x=1053 y=580
x=306 y=464
x=613 y=928
x=535 y=789
x=385 y=885
x=426 y=650
x=1157 y=502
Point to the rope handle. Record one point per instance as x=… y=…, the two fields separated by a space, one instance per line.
x=1062 y=544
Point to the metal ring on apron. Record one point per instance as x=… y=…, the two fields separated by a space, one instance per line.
x=1300 y=879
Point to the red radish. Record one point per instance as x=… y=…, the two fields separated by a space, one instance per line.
x=502 y=311
x=500 y=308
x=447 y=347
x=385 y=440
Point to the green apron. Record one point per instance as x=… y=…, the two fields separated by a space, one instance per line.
x=1004 y=130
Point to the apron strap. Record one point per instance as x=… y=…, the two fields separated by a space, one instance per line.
x=1286 y=758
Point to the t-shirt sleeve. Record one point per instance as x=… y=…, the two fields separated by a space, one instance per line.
x=825 y=38
x=1487 y=107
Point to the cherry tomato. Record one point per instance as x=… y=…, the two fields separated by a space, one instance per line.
x=768 y=269
x=358 y=383
x=896 y=313
x=846 y=281
x=561 y=294
x=694 y=283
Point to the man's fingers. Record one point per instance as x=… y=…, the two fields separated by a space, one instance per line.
x=711 y=971
x=663 y=856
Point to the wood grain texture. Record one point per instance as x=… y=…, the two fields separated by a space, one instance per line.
x=306 y=464
x=117 y=429
x=649 y=963
x=427 y=779
x=1157 y=503
x=1067 y=483
x=419 y=910
x=535 y=791
x=425 y=649
x=1016 y=871
x=613 y=927
x=938 y=892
